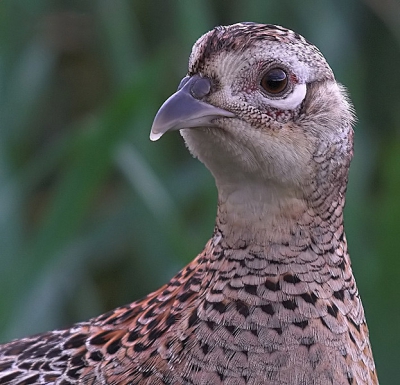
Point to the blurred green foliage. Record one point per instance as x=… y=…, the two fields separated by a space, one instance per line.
x=93 y=215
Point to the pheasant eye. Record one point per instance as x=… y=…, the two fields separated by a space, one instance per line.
x=274 y=81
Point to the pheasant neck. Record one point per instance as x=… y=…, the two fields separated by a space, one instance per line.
x=275 y=215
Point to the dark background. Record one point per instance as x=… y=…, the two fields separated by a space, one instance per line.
x=93 y=215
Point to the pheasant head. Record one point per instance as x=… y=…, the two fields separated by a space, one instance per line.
x=260 y=107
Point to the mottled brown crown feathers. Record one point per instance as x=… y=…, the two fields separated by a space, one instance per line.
x=238 y=37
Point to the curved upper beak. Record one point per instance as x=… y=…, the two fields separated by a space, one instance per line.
x=184 y=110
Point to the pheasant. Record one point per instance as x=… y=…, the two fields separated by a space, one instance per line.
x=272 y=298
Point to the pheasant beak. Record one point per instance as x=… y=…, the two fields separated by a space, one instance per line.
x=184 y=109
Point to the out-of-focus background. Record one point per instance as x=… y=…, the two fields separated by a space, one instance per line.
x=93 y=215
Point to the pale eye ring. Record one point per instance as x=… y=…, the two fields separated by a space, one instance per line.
x=275 y=81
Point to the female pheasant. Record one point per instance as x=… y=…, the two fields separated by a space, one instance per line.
x=272 y=297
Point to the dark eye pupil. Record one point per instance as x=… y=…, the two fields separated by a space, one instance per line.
x=274 y=81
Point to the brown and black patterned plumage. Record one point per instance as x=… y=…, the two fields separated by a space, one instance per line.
x=272 y=298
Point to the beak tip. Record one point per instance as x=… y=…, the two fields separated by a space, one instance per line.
x=155 y=136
